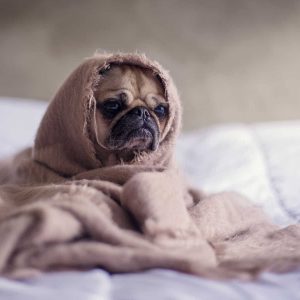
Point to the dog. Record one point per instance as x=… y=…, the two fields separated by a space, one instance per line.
x=132 y=111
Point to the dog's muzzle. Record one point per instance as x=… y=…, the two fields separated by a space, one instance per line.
x=137 y=130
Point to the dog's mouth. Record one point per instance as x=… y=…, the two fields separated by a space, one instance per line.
x=140 y=138
x=136 y=136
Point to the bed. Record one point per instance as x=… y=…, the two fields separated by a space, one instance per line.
x=260 y=161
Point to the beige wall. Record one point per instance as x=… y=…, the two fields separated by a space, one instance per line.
x=233 y=60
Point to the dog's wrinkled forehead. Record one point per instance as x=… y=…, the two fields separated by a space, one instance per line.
x=134 y=81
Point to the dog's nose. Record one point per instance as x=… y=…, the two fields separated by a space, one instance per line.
x=141 y=112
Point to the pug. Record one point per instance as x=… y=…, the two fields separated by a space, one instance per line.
x=132 y=111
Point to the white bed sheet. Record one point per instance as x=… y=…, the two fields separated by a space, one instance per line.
x=260 y=161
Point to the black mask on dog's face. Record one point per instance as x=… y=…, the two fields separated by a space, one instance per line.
x=131 y=109
x=136 y=130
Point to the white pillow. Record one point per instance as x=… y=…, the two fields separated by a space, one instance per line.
x=260 y=161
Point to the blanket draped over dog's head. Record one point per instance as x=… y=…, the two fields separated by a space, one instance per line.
x=67 y=204
x=66 y=137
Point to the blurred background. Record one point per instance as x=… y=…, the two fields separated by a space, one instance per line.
x=232 y=60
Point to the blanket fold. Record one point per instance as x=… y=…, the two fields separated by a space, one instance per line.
x=63 y=207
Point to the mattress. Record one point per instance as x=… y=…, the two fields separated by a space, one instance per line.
x=260 y=161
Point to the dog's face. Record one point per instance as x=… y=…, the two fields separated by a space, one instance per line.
x=131 y=109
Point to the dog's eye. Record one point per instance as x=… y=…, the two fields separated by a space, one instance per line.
x=161 y=111
x=111 y=107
